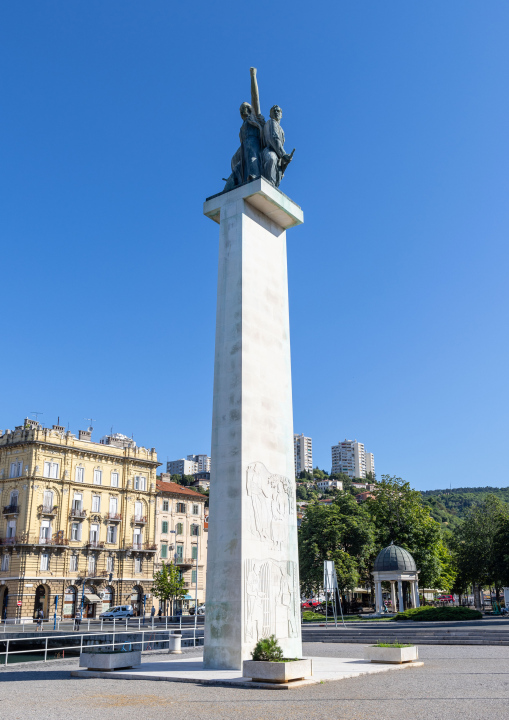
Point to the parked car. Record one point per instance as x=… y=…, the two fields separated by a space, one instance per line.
x=446 y=598
x=117 y=612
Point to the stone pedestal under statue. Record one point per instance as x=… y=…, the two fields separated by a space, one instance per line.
x=252 y=569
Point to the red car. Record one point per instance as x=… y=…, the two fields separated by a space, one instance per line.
x=446 y=598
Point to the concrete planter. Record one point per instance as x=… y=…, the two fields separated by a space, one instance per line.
x=391 y=655
x=277 y=672
x=110 y=660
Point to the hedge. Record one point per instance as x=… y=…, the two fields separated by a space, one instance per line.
x=429 y=614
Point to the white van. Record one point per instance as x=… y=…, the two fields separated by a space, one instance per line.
x=119 y=611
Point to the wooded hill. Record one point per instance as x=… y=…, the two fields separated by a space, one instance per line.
x=449 y=507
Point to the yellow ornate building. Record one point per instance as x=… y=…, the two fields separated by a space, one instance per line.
x=77 y=520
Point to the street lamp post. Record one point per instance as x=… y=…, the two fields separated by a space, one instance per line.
x=174 y=532
x=196 y=586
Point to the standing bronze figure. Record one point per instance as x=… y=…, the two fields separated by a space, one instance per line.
x=261 y=151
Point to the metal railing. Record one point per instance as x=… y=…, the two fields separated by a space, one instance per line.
x=26 y=539
x=11 y=510
x=77 y=513
x=139 y=519
x=146 y=645
x=47 y=509
x=103 y=623
x=133 y=545
x=114 y=516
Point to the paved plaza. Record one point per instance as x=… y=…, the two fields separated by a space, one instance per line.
x=456 y=682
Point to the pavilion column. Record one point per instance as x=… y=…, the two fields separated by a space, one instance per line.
x=400 y=596
x=417 y=603
x=393 y=596
x=378 y=592
x=414 y=600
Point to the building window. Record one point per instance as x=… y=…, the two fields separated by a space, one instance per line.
x=111 y=534
x=193 y=577
x=181 y=507
x=5 y=562
x=45 y=532
x=113 y=506
x=137 y=565
x=77 y=502
x=164 y=551
x=164 y=528
x=180 y=552
x=196 y=509
x=96 y=503
x=47 y=501
x=110 y=564
x=180 y=528
x=166 y=505
x=91 y=564
x=17 y=469
x=94 y=533
x=114 y=479
x=13 y=500
x=195 y=529
x=80 y=474
x=137 y=542
x=98 y=477
x=51 y=470
x=194 y=552
x=76 y=531
x=73 y=563
x=11 y=528
x=45 y=561
x=140 y=482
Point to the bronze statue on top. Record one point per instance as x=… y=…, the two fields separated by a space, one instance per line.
x=261 y=151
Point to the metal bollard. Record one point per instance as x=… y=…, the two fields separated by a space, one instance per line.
x=174 y=645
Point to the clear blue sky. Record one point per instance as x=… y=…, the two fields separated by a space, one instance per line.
x=118 y=118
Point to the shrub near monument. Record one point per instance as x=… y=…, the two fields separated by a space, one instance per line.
x=430 y=614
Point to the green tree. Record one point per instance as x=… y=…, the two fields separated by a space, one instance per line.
x=400 y=515
x=168 y=585
x=478 y=545
x=319 y=474
x=341 y=531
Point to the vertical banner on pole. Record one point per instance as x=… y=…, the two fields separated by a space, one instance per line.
x=330 y=585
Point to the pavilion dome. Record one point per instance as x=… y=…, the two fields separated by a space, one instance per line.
x=395 y=559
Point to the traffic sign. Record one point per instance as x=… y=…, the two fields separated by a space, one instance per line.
x=19 y=603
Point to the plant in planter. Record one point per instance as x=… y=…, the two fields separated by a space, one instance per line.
x=268 y=664
x=392 y=653
x=268 y=649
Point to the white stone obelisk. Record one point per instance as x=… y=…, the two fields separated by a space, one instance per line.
x=252 y=567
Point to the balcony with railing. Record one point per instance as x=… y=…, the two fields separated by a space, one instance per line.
x=95 y=544
x=78 y=513
x=29 y=539
x=11 y=510
x=114 y=517
x=185 y=561
x=139 y=519
x=139 y=546
x=47 y=510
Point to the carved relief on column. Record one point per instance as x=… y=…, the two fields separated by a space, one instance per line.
x=272 y=501
x=271 y=604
